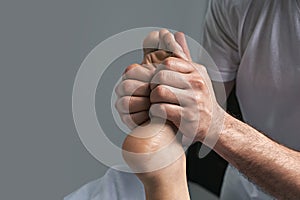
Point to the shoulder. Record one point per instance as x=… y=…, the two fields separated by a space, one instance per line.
x=87 y=191
x=225 y=4
x=229 y=16
x=113 y=185
x=226 y=17
x=235 y=8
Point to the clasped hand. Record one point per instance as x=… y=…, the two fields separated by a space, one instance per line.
x=167 y=84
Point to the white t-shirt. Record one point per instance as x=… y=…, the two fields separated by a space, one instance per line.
x=257 y=42
x=114 y=185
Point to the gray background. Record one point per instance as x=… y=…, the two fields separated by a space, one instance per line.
x=42 y=45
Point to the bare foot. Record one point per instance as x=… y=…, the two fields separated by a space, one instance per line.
x=154 y=154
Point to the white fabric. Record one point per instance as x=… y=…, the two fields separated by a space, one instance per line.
x=257 y=43
x=114 y=185
x=247 y=191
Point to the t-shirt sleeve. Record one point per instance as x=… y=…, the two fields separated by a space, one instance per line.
x=220 y=36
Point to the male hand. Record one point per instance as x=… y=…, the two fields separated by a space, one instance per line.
x=183 y=94
x=134 y=90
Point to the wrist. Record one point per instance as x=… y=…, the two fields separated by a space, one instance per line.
x=219 y=120
x=229 y=122
x=232 y=140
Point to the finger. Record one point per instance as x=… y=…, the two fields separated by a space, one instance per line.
x=173 y=46
x=167 y=94
x=132 y=104
x=138 y=72
x=180 y=39
x=174 y=114
x=176 y=64
x=151 y=42
x=135 y=119
x=152 y=59
x=162 y=33
x=133 y=88
x=170 y=78
x=167 y=111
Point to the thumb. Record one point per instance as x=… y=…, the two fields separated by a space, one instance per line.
x=180 y=39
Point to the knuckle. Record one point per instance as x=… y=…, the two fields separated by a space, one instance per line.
x=123 y=104
x=130 y=67
x=125 y=101
x=197 y=83
x=126 y=87
x=168 y=62
x=160 y=91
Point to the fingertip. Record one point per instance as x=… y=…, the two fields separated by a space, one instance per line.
x=179 y=34
x=181 y=40
x=162 y=33
x=151 y=41
x=130 y=67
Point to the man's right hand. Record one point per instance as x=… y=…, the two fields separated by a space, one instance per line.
x=133 y=91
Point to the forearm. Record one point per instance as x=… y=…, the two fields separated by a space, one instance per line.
x=270 y=165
